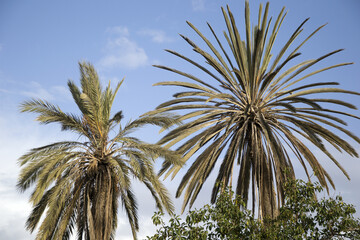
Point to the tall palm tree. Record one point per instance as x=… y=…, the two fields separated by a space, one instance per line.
x=78 y=183
x=252 y=112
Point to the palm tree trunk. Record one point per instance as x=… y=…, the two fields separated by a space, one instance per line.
x=102 y=206
x=268 y=205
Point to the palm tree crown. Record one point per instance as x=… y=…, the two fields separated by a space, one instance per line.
x=253 y=113
x=78 y=184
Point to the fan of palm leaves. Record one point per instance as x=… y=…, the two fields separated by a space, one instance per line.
x=78 y=183
x=252 y=113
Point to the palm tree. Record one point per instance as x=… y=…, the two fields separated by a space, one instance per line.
x=253 y=113
x=78 y=183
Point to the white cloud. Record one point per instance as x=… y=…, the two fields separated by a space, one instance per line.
x=198 y=5
x=14 y=209
x=36 y=90
x=18 y=136
x=122 y=52
x=119 y=30
x=5 y=90
x=157 y=36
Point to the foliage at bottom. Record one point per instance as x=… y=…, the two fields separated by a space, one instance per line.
x=303 y=216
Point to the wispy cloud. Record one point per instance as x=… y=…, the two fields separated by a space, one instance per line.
x=198 y=5
x=121 y=51
x=118 y=30
x=36 y=90
x=157 y=36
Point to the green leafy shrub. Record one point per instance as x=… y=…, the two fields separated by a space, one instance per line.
x=303 y=216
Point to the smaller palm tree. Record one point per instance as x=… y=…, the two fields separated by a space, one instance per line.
x=78 y=183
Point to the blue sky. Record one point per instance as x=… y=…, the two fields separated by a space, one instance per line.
x=42 y=41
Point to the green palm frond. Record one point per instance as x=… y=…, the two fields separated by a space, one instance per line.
x=252 y=112
x=49 y=113
x=77 y=185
